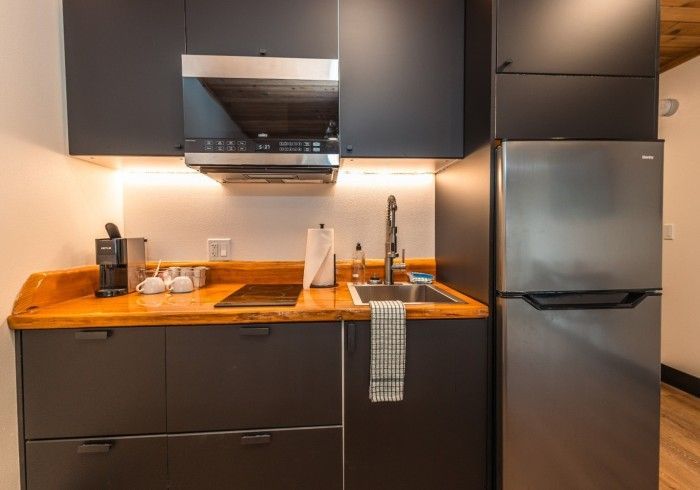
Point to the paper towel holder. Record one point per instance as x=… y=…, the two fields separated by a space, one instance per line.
x=335 y=275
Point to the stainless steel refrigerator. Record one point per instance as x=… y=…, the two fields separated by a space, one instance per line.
x=578 y=306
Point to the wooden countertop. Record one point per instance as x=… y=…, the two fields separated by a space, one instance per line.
x=34 y=308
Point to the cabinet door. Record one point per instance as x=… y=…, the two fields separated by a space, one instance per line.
x=583 y=37
x=280 y=28
x=402 y=78
x=248 y=377
x=270 y=460
x=576 y=107
x=131 y=463
x=80 y=383
x=437 y=436
x=123 y=76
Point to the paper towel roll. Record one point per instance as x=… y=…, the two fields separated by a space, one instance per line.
x=319 y=267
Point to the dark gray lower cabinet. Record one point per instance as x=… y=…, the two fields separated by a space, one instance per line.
x=94 y=382
x=437 y=436
x=271 y=460
x=129 y=463
x=252 y=376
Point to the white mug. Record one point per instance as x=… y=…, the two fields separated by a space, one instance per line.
x=182 y=284
x=151 y=285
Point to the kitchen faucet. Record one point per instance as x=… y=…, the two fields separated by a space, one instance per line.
x=391 y=244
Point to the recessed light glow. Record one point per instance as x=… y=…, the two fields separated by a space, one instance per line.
x=178 y=178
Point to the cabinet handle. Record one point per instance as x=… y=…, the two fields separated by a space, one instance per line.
x=256 y=440
x=505 y=65
x=95 y=448
x=92 y=335
x=255 y=331
x=351 y=337
x=179 y=146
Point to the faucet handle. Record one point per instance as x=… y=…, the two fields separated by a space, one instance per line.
x=402 y=265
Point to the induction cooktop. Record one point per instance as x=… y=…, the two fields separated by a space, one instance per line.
x=263 y=295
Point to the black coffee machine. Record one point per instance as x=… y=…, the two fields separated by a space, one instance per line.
x=122 y=262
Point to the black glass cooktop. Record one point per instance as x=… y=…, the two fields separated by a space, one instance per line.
x=263 y=295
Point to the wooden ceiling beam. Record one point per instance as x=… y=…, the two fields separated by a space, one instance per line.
x=680 y=14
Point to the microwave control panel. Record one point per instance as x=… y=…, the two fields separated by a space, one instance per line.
x=218 y=145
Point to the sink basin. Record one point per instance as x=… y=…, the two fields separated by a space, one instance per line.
x=362 y=294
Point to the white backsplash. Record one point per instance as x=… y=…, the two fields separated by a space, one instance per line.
x=177 y=213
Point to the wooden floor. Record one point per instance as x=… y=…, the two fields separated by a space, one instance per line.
x=680 y=440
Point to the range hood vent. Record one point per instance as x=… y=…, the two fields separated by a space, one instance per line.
x=276 y=174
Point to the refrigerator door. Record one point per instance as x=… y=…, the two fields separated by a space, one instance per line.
x=579 y=396
x=579 y=215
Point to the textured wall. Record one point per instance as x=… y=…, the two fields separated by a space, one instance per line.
x=52 y=205
x=680 y=331
x=178 y=212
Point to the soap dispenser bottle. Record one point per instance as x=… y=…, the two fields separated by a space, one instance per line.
x=358 y=265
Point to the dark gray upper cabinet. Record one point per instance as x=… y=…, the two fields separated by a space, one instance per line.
x=281 y=28
x=401 y=78
x=583 y=37
x=437 y=436
x=123 y=76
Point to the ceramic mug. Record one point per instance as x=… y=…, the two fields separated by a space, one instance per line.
x=151 y=285
x=182 y=284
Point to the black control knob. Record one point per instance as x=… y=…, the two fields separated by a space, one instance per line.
x=348 y=148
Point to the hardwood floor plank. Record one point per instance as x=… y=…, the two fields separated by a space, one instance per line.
x=680 y=440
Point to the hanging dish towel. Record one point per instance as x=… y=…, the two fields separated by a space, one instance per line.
x=388 y=351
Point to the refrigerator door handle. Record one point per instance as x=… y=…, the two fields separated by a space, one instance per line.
x=586 y=301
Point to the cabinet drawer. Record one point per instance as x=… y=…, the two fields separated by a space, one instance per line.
x=246 y=377
x=278 y=459
x=121 y=463
x=544 y=107
x=81 y=383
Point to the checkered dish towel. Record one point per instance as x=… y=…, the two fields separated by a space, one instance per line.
x=388 y=351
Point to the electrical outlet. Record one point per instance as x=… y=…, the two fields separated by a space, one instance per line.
x=219 y=248
x=669 y=231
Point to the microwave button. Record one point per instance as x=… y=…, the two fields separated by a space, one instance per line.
x=208 y=148
x=220 y=143
x=230 y=148
x=316 y=143
x=219 y=148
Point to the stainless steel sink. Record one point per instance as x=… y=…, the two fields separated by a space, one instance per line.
x=408 y=293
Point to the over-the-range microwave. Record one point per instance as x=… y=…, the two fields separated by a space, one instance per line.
x=260 y=119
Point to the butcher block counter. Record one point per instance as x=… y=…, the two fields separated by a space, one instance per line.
x=65 y=299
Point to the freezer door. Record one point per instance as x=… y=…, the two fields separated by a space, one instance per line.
x=579 y=215
x=579 y=396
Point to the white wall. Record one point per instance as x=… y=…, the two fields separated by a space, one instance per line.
x=51 y=206
x=680 y=332
x=178 y=212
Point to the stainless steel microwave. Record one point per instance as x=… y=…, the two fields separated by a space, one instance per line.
x=260 y=119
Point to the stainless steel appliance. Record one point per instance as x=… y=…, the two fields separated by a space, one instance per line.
x=122 y=262
x=260 y=119
x=578 y=261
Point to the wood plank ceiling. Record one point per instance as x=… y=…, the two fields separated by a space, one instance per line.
x=680 y=32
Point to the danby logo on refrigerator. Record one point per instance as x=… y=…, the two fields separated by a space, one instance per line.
x=647 y=157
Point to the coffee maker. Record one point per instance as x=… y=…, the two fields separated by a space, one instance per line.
x=122 y=262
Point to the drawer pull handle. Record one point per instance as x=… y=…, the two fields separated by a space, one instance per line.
x=255 y=331
x=256 y=440
x=92 y=335
x=95 y=448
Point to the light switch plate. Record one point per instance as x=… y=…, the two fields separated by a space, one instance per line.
x=669 y=231
x=219 y=248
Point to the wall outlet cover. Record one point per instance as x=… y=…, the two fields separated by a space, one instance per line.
x=669 y=231
x=219 y=249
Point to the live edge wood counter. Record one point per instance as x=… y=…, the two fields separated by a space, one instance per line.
x=41 y=306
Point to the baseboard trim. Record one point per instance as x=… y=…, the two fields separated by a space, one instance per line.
x=679 y=379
